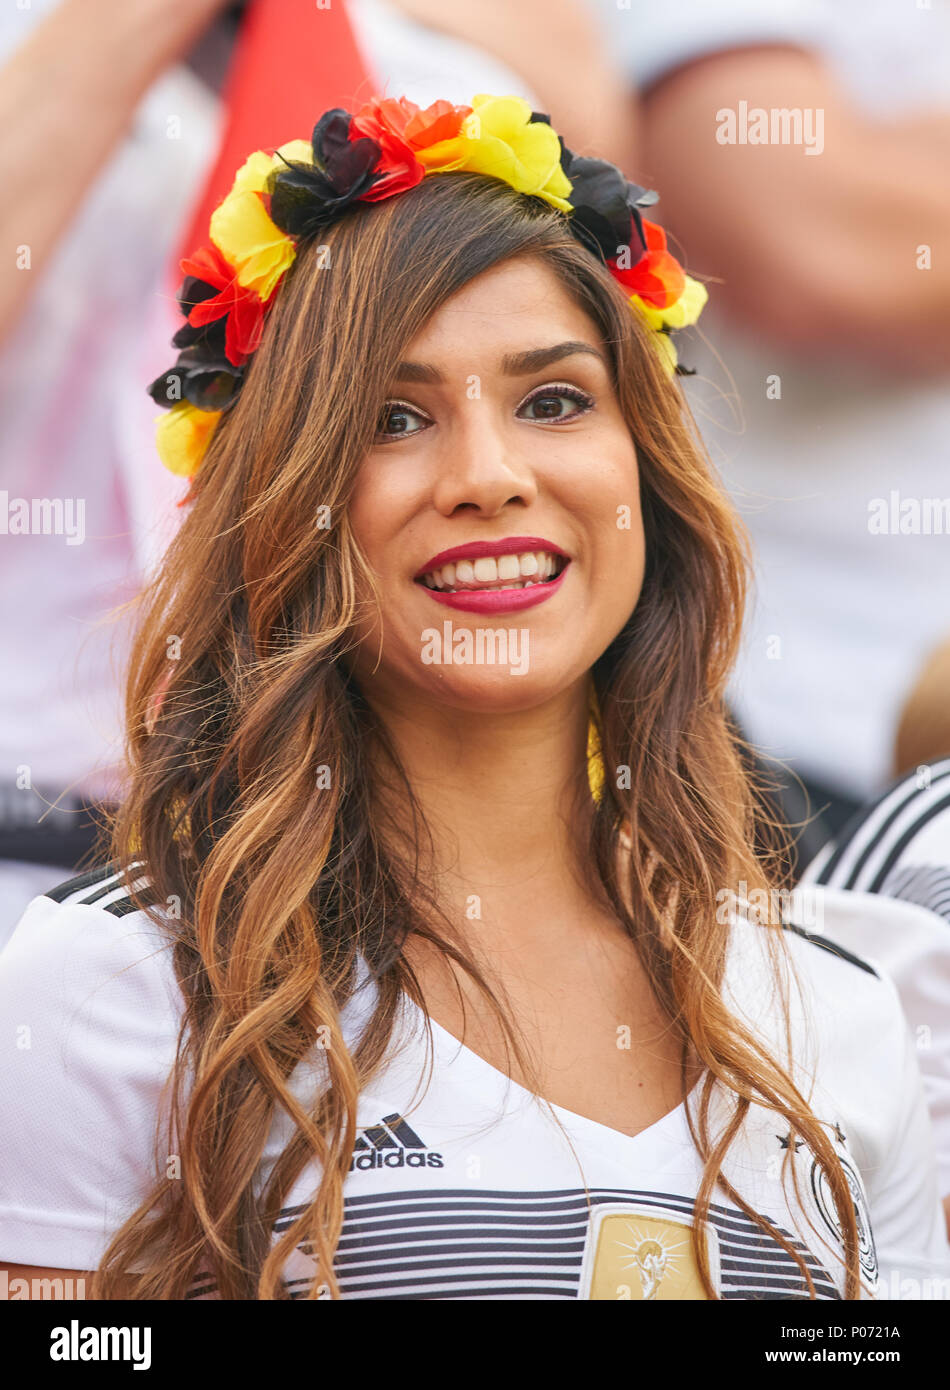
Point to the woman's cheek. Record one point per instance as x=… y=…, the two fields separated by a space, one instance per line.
x=621 y=562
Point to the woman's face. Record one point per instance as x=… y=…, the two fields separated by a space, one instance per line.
x=499 y=507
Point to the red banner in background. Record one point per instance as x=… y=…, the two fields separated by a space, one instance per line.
x=293 y=59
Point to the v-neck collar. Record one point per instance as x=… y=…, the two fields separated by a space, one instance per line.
x=490 y=1084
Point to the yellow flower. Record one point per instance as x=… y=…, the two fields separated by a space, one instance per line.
x=183 y=434
x=253 y=173
x=241 y=229
x=664 y=346
x=654 y=320
x=499 y=138
x=684 y=312
x=653 y=316
x=689 y=306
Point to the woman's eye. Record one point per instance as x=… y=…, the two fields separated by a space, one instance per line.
x=559 y=403
x=396 y=421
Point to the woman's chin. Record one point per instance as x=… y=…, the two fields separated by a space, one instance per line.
x=493 y=689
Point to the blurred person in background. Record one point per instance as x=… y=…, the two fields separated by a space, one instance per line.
x=831 y=321
x=106 y=133
x=890 y=867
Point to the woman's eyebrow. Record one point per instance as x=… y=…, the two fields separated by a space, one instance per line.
x=513 y=364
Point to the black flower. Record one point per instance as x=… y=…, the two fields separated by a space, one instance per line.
x=303 y=197
x=606 y=206
x=194 y=291
x=201 y=375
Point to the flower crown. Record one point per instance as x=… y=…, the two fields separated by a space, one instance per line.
x=281 y=200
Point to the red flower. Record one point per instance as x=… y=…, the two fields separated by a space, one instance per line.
x=244 y=307
x=440 y=121
x=657 y=277
x=400 y=127
x=385 y=122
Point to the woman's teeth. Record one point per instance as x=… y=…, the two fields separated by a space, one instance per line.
x=505 y=572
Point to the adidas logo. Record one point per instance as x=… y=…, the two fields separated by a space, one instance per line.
x=391 y=1144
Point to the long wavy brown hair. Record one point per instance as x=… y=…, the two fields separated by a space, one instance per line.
x=269 y=861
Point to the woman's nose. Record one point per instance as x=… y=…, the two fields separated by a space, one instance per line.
x=482 y=466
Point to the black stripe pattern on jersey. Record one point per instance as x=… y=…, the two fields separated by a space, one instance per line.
x=925 y=885
x=870 y=846
x=462 y=1244
x=465 y=1244
x=827 y=944
x=106 y=887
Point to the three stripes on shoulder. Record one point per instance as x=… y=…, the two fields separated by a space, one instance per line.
x=107 y=887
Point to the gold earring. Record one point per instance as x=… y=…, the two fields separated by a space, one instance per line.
x=595 y=760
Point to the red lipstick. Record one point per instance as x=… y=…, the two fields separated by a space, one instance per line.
x=490 y=601
x=474 y=550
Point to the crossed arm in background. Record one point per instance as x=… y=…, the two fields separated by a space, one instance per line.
x=797 y=241
x=67 y=97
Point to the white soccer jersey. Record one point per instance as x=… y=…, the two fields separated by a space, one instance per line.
x=898 y=845
x=893 y=857
x=461 y=1184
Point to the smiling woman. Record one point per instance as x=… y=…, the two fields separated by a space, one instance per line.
x=339 y=861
